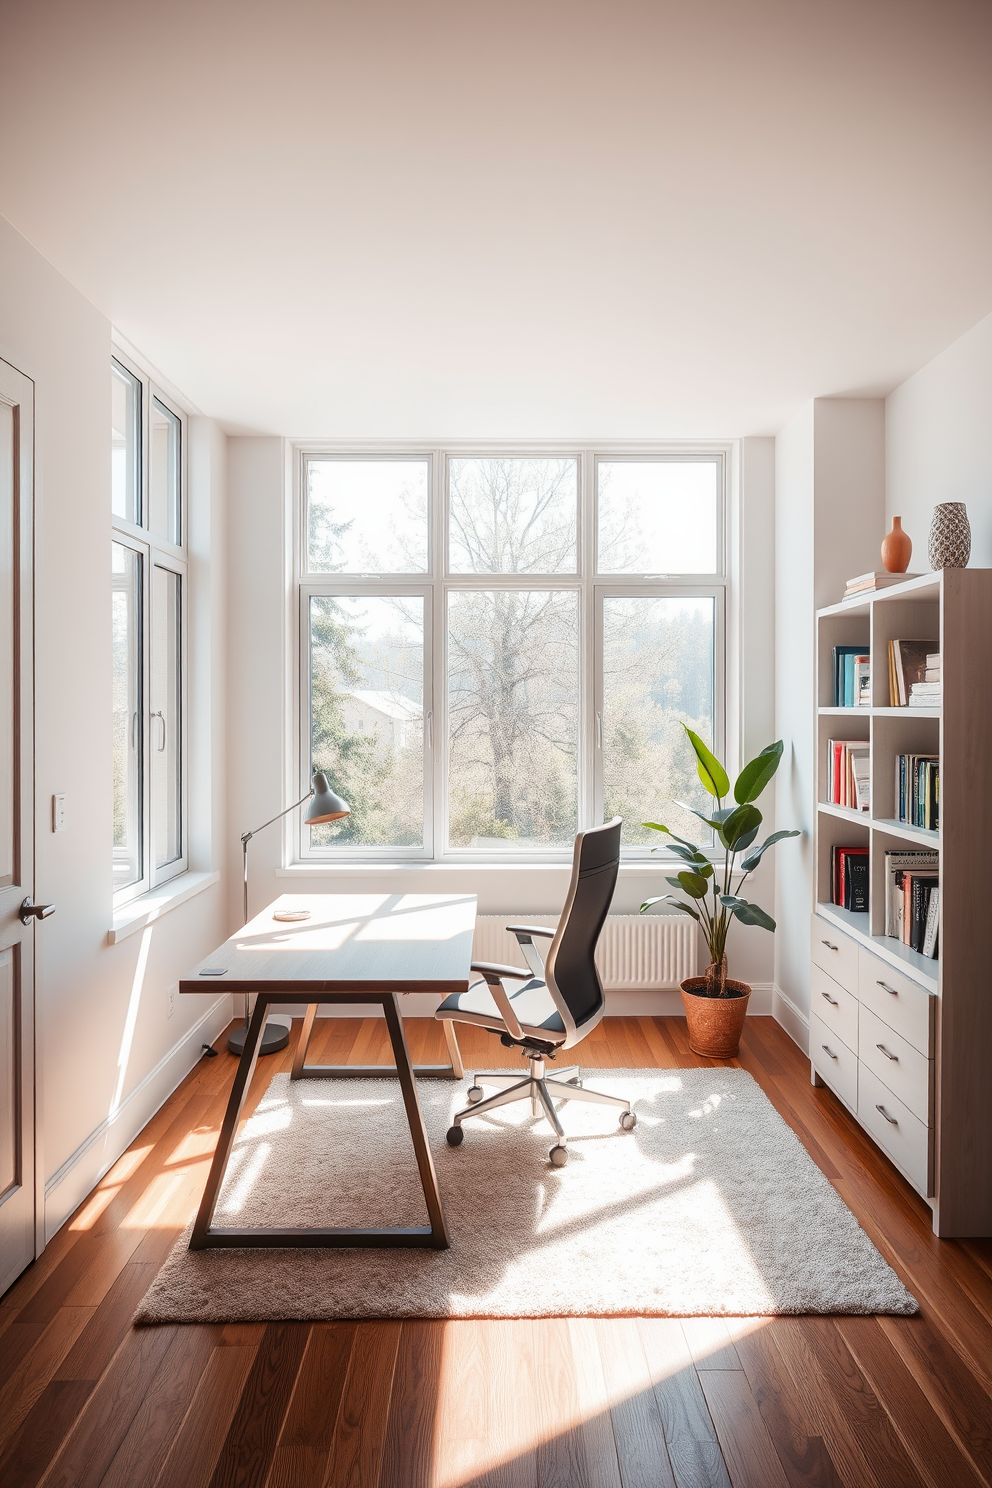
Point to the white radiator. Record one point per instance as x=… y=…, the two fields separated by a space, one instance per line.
x=635 y=953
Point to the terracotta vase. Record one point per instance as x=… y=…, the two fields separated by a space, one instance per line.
x=950 y=536
x=897 y=548
x=715 y=1023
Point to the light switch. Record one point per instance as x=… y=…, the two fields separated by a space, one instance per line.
x=58 y=813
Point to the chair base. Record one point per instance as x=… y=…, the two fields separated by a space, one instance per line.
x=542 y=1092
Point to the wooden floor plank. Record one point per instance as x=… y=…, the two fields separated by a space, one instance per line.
x=801 y=1449
x=250 y=1444
x=567 y=1454
x=748 y=1450
x=308 y=1430
x=200 y=1438
x=693 y=1450
x=355 y=1459
x=637 y=1424
x=143 y=1452
x=408 y=1458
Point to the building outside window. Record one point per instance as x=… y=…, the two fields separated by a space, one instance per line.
x=498 y=648
x=149 y=578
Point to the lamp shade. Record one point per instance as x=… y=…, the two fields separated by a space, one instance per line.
x=324 y=806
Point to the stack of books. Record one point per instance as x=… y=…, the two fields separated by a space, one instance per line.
x=850 y=878
x=908 y=666
x=865 y=583
x=912 y=899
x=926 y=694
x=848 y=770
x=917 y=792
x=852 y=677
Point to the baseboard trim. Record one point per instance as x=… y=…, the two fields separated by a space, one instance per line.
x=791 y=1018
x=66 y=1189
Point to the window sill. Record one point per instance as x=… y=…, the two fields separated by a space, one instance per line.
x=150 y=907
x=636 y=867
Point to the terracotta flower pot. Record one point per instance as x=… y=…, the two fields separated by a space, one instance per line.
x=715 y=1023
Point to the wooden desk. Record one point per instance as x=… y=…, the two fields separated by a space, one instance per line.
x=354 y=948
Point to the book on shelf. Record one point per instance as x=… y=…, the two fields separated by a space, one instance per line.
x=907 y=665
x=901 y=868
x=917 y=790
x=851 y=664
x=930 y=934
x=850 y=878
x=881 y=579
x=924 y=695
x=848 y=773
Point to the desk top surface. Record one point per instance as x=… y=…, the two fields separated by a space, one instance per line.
x=351 y=942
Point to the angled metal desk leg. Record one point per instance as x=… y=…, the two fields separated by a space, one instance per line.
x=414 y=1115
x=303 y=1071
x=229 y=1127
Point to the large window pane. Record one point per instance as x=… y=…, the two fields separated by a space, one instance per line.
x=166 y=716
x=513 y=719
x=658 y=516
x=367 y=716
x=658 y=671
x=367 y=516
x=164 y=482
x=127 y=736
x=512 y=516
x=125 y=458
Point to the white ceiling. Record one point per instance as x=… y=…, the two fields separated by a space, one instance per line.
x=531 y=218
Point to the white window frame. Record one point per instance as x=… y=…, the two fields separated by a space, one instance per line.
x=156 y=553
x=437 y=583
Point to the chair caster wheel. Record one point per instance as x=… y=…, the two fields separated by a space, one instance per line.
x=558 y=1156
x=575 y=1081
x=455 y=1136
x=475 y=1094
x=628 y=1120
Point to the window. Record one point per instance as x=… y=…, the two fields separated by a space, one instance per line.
x=498 y=648
x=149 y=634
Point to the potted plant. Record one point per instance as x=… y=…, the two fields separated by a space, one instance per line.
x=715 y=1005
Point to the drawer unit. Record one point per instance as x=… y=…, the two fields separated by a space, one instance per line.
x=900 y=1002
x=896 y=1130
x=834 y=1061
x=835 y=953
x=834 y=1007
x=897 y=1064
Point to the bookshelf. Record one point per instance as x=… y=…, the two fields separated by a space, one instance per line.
x=903 y=1040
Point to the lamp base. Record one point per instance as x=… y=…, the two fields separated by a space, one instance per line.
x=275 y=1037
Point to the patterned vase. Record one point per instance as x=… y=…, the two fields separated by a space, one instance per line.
x=950 y=536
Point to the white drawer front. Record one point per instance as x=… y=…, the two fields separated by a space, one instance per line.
x=834 y=1007
x=896 y=1063
x=898 y=1001
x=835 y=954
x=832 y=1059
x=896 y=1130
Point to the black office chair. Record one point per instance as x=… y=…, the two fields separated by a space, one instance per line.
x=553 y=1005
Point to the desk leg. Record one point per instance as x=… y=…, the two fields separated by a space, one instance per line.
x=303 y=1043
x=229 y=1128
x=414 y=1115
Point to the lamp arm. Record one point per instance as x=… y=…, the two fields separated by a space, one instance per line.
x=247 y=836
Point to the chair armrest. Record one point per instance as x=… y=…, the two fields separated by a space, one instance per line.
x=492 y=971
x=518 y=930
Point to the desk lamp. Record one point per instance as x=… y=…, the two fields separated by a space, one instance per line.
x=324 y=806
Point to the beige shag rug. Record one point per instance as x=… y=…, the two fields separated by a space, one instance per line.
x=710 y=1206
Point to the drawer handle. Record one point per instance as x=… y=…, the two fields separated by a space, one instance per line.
x=828 y=1051
x=832 y=1000
x=829 y=946
x=890 y=1119
x=886 y=988
x=884 y=1050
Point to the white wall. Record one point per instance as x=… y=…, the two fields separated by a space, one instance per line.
x=263 y=775
x=108 y=1052
x=829 y=502
x=939 y=444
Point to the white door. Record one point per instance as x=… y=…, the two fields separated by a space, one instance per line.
x=18 y=1227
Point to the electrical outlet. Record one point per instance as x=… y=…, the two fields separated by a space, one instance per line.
x=58 y=813
x=172 y=999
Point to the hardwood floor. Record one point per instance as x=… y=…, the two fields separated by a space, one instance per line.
x=561 y=1403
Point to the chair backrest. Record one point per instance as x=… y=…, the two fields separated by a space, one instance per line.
x=570 y=968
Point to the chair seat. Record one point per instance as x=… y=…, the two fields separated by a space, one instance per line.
x=531 y=1001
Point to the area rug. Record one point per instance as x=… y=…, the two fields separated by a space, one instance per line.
x=710 y=1206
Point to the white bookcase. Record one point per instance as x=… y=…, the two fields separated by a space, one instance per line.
x=906 y=1042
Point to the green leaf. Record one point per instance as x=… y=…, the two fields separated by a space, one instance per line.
x=694 y=884
x=657 y=827
x=756 y=775
x=742 y=821
x=670 y=899
x=753 y=914
x=711 y=821
x=731 y=901
x=710 y=770
x=754 y=858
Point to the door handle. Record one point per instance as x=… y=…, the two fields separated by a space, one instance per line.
x=161 y=717
x=31 y=911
